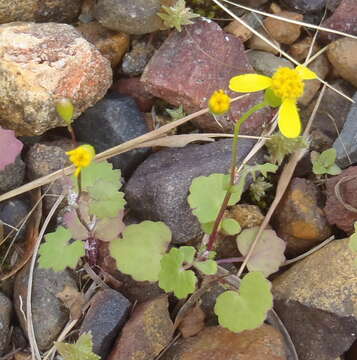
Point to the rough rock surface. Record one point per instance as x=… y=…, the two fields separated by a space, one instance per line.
x=40 y=63
x=219 y=343
x=316 y=300
x=335 y=211
x=192 y=64
x=147 y=332
x=341 y=54
x=48 y=313
x=5 y=317
x=299 y=220
x=132 y=17
x=345 y=144
x=305 y=6
x=159 y=187
x=61 y=11
x=116 y=119
x=104 y=319
x=12 y=175
x=344 y=19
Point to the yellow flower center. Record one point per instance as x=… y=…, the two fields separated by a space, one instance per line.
x=81 y=157
x=287 y=84
x=219 y=103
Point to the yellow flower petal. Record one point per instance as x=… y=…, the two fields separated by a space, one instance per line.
x=305 y=73
x=289 y=119
x=249 y=83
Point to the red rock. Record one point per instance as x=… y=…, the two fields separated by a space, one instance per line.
x=299 y=220
x=40 y=63
x=336 y=213
x=134 y=87
x=215 y=343
x=343 y=19
x=192 y=64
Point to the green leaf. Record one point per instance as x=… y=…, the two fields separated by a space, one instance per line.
x=334 y=170
x=208 y=267
x=57 y=253
x=230 y=226
x=81 y=350
x=177 y=113
x=247 y=309
x=173 y=277
x=206 y=207
x=208 y=227
x=139 y=252
x=258 y=188
x=106 y=200
x=324 y=163
x=99 y=171
x=271 y=99
x=65 y=110
x=188 y=253
x=268 y=254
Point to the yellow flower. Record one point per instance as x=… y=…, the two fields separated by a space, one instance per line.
x=81 y=157
x=219 y=103
x=288 y=85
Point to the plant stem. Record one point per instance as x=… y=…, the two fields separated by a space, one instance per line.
x=230 y=260
x=225 y=202
x=73 y=136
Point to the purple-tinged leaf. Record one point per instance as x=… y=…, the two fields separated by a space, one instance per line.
x=10 y=147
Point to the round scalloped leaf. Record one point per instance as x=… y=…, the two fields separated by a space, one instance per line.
x=57 y=253
x=247 y=309
x=206 y=196
x=139 y=252
x=173 y=277
x=268 y=254
x=208 y=267
x=230 y=226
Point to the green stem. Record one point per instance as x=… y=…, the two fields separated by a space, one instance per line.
x=225 y=202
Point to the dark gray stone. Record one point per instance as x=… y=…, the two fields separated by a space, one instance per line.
x=346 y=143
x=159 y=187
x=105 y=318
x=48 y=313
x=12 y=212
x=112 y=121
x=305 y=6
x=12 y=176
x=5 y=317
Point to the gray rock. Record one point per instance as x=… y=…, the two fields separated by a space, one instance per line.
x=12 y=212
x=5 y=317
x=306 y=6
x=159 y=188
x=136 y=59
x=41 y=63
x=12 y=176
x=266 y=63
x=48 y=313
x=61 y=11
x=346 y=143
x=104 y=319
x=113 y=121
x=132 y=17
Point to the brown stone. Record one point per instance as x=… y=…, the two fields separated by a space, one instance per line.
x=301 y=49
x=256 y=43
x=342 y=55
x=134 y=87
x=239 y=30
x=40 y=63
x=317 y=301
x=215 y=343
x=282 y=31
x=146 y=333
x=335 y=212
x=247 y=215
x=321 y=67
x=344 y=19
x=111 y=44
x=192 y=64
x=299 y=220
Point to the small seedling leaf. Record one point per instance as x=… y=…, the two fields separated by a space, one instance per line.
x=139 y=252
x=173 y=277
x=208 y=267
x=230 y=226
x=81 y=350
x=57 y=253
x=247 y=309
x=268 y=254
